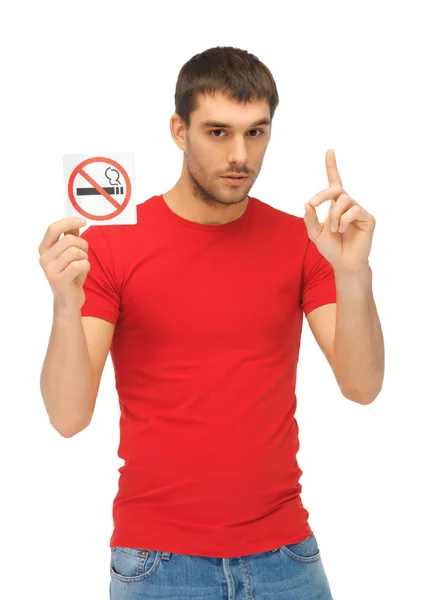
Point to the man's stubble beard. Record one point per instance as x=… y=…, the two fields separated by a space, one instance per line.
x=200 y=192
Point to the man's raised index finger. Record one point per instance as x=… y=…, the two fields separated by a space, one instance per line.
x=332 y=169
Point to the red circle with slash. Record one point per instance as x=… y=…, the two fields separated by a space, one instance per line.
x=79 y=171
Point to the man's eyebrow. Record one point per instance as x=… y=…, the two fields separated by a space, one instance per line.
x=210 y=123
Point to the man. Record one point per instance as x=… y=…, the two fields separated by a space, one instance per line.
x=201 y=304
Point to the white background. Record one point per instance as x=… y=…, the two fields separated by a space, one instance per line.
x=363 y=79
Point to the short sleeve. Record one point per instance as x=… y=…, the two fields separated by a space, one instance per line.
x=318 y=280
x=102 y=298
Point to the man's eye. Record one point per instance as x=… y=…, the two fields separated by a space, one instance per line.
x=216 y=130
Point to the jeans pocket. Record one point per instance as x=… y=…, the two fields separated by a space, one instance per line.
x=133 y=564
x=305 y=551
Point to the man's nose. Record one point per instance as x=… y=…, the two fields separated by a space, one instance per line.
x=238 y=151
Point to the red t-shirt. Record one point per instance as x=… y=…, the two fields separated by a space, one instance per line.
x=205 y=350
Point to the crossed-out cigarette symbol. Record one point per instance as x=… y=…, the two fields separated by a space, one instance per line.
x=113 y=170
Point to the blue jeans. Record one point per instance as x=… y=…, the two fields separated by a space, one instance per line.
x=291 y=572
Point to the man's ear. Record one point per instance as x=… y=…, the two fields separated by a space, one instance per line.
x=177 y=129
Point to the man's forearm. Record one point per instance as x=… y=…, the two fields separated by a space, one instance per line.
x=66 y=377
x=358 y=357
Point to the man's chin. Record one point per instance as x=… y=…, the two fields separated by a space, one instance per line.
x=233 y=200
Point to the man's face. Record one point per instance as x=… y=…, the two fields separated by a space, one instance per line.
x=235 y=143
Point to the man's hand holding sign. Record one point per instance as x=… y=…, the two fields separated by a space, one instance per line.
x=64 y=261
x=349 y=332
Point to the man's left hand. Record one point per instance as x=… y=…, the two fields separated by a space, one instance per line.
x=347 y=245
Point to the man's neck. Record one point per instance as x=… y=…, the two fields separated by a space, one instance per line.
x=187 y=206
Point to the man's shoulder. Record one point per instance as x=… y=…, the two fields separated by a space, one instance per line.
x=272 y=212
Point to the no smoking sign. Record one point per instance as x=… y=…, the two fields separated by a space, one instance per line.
x=100 y=188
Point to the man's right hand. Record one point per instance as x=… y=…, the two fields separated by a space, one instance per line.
x=65 y=261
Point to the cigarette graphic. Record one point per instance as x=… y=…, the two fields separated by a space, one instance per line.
x=113 y=177
x=91 y=191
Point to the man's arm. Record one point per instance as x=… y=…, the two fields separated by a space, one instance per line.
x=350 y=336
x=72 y=369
